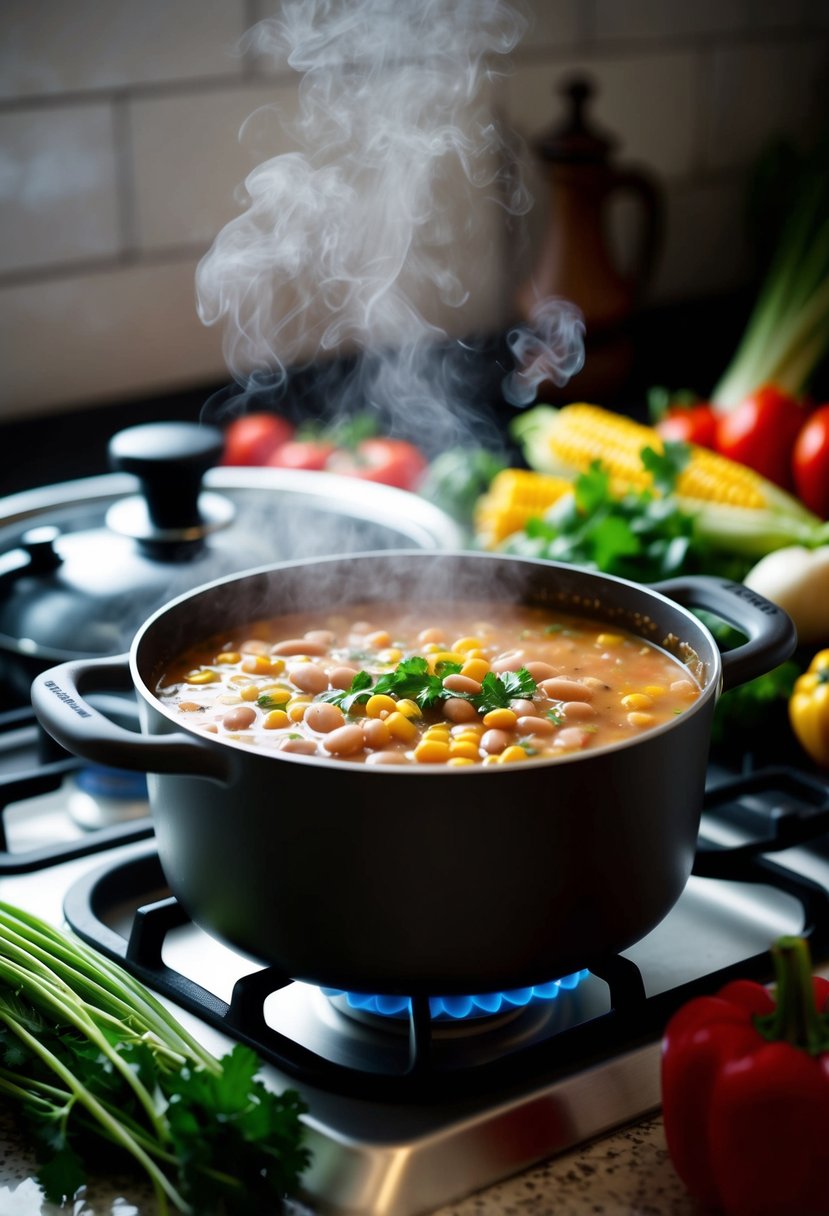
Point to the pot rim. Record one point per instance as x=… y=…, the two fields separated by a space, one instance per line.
x=710 y=690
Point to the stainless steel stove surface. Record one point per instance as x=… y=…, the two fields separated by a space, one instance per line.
x=407 y=1114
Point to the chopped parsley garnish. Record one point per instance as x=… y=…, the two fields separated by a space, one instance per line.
x=555 y=716
x=413 y=680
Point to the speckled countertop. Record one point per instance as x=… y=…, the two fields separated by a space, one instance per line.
x=627 y=1172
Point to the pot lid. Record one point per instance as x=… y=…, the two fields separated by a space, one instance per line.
x=575 y=140
x=84 y=563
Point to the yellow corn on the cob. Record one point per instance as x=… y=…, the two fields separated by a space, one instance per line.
x=514 y=497
x=583 y=433
x=733 y=505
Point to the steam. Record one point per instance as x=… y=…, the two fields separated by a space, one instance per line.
x=550 y=348
x=342 y=240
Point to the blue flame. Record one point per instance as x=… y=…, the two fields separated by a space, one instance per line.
x=458 y=1008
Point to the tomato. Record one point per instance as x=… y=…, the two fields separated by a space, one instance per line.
x=311 y=454
x=810 y=462
x=761 y=432
x=690 y=424
x=394 y=462
x=252 y=438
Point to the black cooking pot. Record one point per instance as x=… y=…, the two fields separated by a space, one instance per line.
x=422 y=879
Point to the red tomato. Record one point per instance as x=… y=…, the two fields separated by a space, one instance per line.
x=309 y=454
x=394 y=462
x=252 y=438
x=761 y=433
x=691 y=424
x=810 y=462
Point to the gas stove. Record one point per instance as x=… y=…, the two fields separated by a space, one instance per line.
x=414 y=1104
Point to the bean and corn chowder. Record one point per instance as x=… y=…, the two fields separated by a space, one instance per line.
x=450 y=684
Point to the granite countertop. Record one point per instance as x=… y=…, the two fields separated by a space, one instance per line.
x=626 y=1173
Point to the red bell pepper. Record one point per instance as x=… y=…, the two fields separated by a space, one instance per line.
x=745 y=1090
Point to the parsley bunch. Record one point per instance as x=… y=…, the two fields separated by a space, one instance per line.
x=414 y=680
x=93 y=1059
x=644 y=535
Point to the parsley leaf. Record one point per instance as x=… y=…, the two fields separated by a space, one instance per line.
x=498 y=690
x=358 y=692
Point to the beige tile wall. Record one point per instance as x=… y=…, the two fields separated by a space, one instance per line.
x=120 y=160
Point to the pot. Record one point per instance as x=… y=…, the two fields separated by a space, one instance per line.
x=421 y=880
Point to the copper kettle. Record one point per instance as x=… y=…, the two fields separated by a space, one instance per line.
x=575 y=261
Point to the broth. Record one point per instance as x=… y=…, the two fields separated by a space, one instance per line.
x=456 y=684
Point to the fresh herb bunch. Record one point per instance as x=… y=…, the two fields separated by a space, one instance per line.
x=92 y=1058
x=644 y=535
x=414 y=680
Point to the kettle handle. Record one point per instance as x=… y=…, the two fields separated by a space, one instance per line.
x=644 y=188
x=59 y=702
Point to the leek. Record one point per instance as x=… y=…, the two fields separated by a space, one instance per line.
x=787 y=333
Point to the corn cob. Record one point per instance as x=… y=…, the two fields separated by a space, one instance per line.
x=514 y=497
x=735 y=508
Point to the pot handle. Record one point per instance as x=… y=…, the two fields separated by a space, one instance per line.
x=58 y=700
x=772 y=636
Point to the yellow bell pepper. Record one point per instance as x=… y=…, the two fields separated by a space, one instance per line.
x=809 y=708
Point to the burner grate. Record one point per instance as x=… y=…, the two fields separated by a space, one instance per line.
x=633 y=1018
x=37 y=767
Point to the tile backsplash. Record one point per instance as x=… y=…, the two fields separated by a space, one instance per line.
x=121 y=160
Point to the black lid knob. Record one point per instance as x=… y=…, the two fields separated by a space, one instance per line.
x=170 y=460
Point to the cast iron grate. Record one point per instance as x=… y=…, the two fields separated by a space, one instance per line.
x=40 y=767
x=632 y=1020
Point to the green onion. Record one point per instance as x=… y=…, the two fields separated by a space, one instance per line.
x=787 y=333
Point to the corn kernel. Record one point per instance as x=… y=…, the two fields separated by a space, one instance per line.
x=437 y=732
x=475 y=669
x=468 y=733
x=229 y=699
x=500 y=719
x=250 y=692
x=296 y=709
x=409 y=709
x=445 y=656
x=510 y=755
x=380 y=706
x=379 y=639
x=392 y=655
x=464 y=748
x=637 y=700
x=433 y=648
x=463 y=645
x=609 y=639
x=228 y=656
x=431 y=751
x=202 y=677
x=459 y=761
x=654 y=690
x=640 y=719
x=276 y=696
x=490 y=759
x=277 y=719
x=257 y=665
x=401 y=727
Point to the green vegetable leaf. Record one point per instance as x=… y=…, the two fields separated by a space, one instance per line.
x=498 y=690
x=666 y=466
x=413 y=679
x=357 y=693
x=61 y=1176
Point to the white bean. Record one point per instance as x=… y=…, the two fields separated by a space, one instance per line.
x=541 y=671
x=308 y=677
x=459 y=683
x=559 y=689
x=529 y=724
x=341 y=677
x=323 y=717
x=239 y=718
x=577 y=711
x=345 y=741
x=494 y=741
x=458 y=710
x=298 y=646
x=300 y=747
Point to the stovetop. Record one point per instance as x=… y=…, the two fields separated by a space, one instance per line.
x=407 y=1112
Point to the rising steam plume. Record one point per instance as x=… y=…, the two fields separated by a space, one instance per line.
x=342 y=240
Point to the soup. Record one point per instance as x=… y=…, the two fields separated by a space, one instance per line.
x=454 y=684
